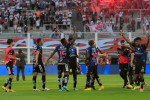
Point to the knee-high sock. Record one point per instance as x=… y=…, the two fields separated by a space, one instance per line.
x=142 y=83
x=66 y=77
x=98 y=80
x=63 y=80
x=92 y=81
x=34 y=82
x=43 y=81
x=9 y=83
x=6 y=83
x=88 y=81
x=75 y=80
x=59 y=81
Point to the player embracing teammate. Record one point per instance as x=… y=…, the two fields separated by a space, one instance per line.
x=139 y=59
x=63 y=60
x=92 y=63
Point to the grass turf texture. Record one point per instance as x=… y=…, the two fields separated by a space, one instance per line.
x=113 y=89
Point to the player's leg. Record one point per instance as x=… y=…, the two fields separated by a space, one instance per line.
x=121 y=70
x=97 y=78
x=136 y=76
x=74 y=72
x=7 y=81
x=42 y=70
x=125 y=70
x=35 y=73
x=66 y=76
x=10 y=69
x=23 y=74
x=88 y=81
x=34 y=81
x=141 y=75
x=18 y=70
x=10 y=83
x=59 y=77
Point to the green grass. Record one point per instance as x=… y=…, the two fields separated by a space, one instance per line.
x=112 y=91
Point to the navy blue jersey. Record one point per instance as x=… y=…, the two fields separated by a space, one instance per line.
x=140 y=52
x=63 y=52
x=93 y=59
x=37 y=48
x=73 y=55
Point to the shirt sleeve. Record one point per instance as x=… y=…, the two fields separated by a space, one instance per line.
x=119 y=51
x=39 y=48
x=56 y=49
x=11 y=52
x=88 y=50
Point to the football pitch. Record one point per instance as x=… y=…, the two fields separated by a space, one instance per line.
x=112 y=83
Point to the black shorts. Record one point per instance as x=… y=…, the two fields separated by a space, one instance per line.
x=140 y=67
x=73 y=67
x=92 y=70
x=10 y=68
x=63 y=67
x=39 y=68
x=123 y=67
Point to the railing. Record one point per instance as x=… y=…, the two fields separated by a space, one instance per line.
x=105 y=41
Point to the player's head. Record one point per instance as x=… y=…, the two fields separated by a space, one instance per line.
x=63 y=41
x=71 y=40
x=39 y=41
x=123 y=43
x=20 y=51
x=92 y=43
x=137 y=41
x=10 y=42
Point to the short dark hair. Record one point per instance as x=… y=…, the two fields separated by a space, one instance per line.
x=20 y=51
x=38 y=40
x=91 y=42
x=122 y=41
x=138 y=38
x=9 y=41
x=70 y=38
x=63 y=40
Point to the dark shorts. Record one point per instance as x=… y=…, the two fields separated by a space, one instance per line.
x=92 y=70
x=39 y=68
x=73 y=68
x=63 y=67
x=10 y=68
x=140 y=67
x=123 y=67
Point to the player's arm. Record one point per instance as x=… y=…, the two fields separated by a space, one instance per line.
x=132 y=58
x=147 y=40
x=13 y=58
x=50 y=57
x=10 y=56
x=81 y=57
x=130 y=48
x=125 y=38
x=36 y=57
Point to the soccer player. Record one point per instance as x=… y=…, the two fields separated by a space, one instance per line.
x=9 y=62
x=38 y=66
x=123 y=52
x=140 y=58
x=63 y=60
x=92 y=58
x=73 y=62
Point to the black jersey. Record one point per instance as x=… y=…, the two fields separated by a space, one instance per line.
x=37 y=48
x=73 y=55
